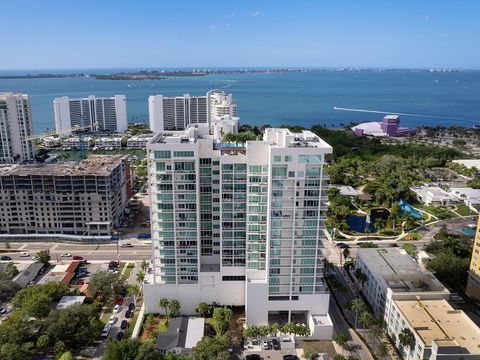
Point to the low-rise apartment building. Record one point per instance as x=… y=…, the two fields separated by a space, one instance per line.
x=139 y=141
x=108 y=143
x=439 y=330
x=86 y=198
x=407 y=297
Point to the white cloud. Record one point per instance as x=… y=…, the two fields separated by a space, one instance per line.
x=212 y=28
x=427 y=17
x=255 y=13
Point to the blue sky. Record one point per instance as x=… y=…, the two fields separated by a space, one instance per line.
x=52 y=34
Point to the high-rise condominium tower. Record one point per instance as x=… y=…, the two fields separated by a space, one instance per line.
x=15 y=128
x=176 y=113
x=239 y=224
x=107 y=114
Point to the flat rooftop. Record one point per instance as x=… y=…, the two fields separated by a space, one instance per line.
x=388 y=261
x=437 y=320
x=100 y=165
x=399 y=270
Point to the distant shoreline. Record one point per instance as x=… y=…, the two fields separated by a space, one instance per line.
x=170 y=74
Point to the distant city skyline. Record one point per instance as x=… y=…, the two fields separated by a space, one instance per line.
x=149 y=34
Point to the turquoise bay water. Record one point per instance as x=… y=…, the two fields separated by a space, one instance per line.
x=287 y=98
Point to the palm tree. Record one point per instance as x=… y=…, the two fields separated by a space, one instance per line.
x=376 y=332
x=366 y=319
x=140 y=277
x=383 y=349
x=274 y=329
x=406 y=338
x=174 y=308
x=357 y=306
x=164 y=303
x=133 y=290
x=346 y=253
x=144 y=265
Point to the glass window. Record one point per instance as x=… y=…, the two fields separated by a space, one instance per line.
x=309 y=159
x=163 y=154
x=277 y=158
x=183 y=153
x=288 y=158
x=279 y=171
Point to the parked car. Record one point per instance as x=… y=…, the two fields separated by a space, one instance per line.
x=290 y=357
x=106 y=330
x=3 y=311
x=5 y=258
x=276 y=344
x=65 y=255
x=24 y=254
x=119 y=301
x=35 y=258
x=124 y=324
x=77 y=257
x=265 y=345
x=112 y=320
x=128 y=313
x=253 y=357
x=393 y=245
x=116 y=309
x=126 y=245
x=131 y=306
x=119 y=335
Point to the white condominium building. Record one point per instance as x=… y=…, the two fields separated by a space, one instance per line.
x=220 y=104
x=15 y=128
x=240 y=224
x=176 y=113
x=104 y=114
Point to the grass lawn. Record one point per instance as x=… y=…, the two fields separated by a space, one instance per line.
x=439 y=211
x=128 y=270
x=464 y=210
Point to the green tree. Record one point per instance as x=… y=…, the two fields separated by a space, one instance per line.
x=54 y=291
x=66 y=356
x=342 y=340
x=164 y=303
x=410 y=249
x=357 y=305
x=44 y=256
x=10 y=271
x=251 y=331
x=76 y=326
x=13 y=351
x=133 y=290
x=203 y=309
x=38 y=306
x=376 y=332
x=174 y=308
x=140 y=277
x=275 y=329
x=148 y=351
x=221 y=320
x=449 y=268
x=339 y=357
x=366 y=319
x=144 y=265
x=346 y=253
x=8 y=289
x=383 y=350
x=106 y=284
x=406 y=338
x=211 y=349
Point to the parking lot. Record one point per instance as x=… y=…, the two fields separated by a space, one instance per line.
x=256 y=348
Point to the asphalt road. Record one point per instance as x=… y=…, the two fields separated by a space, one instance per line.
x=140 y=251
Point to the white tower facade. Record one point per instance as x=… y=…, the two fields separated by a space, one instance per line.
x=106 y=114
x=15 y=128
x=239 y=224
